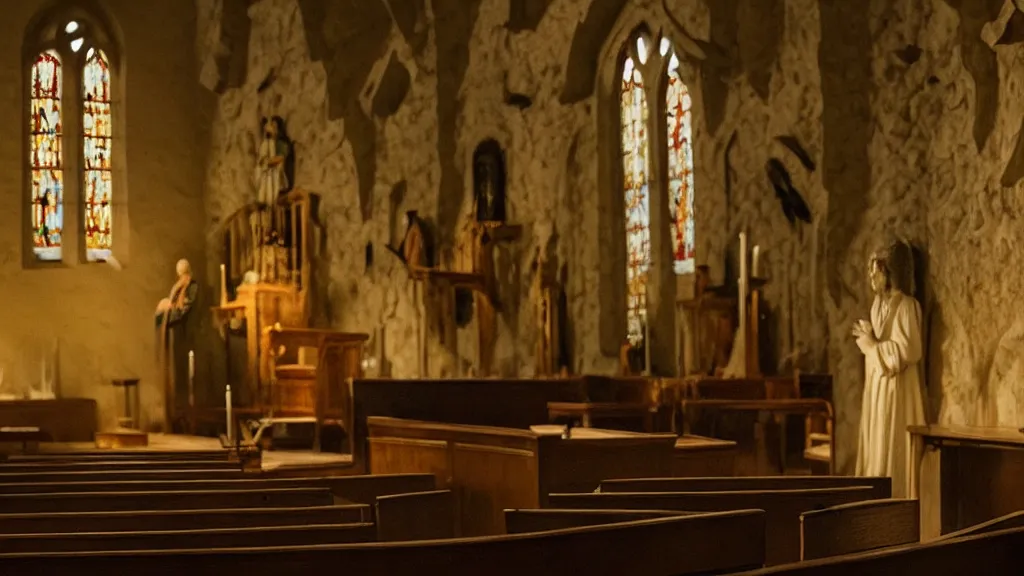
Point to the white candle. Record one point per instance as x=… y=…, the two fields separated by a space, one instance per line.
x=223 y=285
x=755 y=267
x=191 y=364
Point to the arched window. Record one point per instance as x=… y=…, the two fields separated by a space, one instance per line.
x=657 y=169
x=96 y=145
x=71 y=132
x=46 y=156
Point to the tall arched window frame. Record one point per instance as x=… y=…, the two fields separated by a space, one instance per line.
x=73 y=132
x=656 y=142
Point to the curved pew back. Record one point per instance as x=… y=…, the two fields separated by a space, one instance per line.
x=782 y=508
x=258 y=537
x=525 y=521
x=859 y=527
x=358 y=489
x=989 y=554
x=628 y=548
x=1014 y=520
x=114 y=465
x=417 y=516
x=124 y=501
x=106 y=455
x=108 y=476
x=881 y=486
x=128 y=521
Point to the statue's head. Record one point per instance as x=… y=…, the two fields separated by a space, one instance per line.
x=892 y=268
x=271 y=127
x=183 y=267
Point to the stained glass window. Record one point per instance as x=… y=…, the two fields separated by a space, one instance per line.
x=635 y=168
x=680 y=170
x=46 y=158
x=96 y=127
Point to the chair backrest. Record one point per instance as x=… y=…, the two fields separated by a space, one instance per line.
x=859 y=527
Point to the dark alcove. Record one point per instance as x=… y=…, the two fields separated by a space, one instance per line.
x=489 y=181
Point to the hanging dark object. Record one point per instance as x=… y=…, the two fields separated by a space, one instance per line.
x=793 y=205
x=797 y=149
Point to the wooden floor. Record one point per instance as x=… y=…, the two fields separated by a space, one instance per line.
x=272 y=460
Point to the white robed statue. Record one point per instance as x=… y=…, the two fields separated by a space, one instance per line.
x=269 y=174
x=892 y=348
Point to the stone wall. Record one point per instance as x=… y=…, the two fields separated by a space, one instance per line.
x=101 y=317
x=909 y=113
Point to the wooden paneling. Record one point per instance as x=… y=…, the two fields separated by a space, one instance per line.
x=490 y=469
x=417 y=516
x=859 y=527
x=65 y=419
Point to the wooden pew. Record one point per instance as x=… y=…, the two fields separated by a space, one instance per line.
x=1015 y=520
x=138 y=520
x=207 y=539
x=106 y=455
x=782 y=508
x=115 y=465
x=542 y=520
x=490 y=469
x=628 y=548
x=881 y=487
x=108 y=476
x=124 y=501
x=357 y=489
x=990 y=554
x=859 y=527
x=416 y=516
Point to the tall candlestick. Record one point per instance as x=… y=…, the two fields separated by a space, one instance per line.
x=227 y=411
x=223 y=285
x=191 y=364
x=191 y=379
x=744 y=283
x=755 y=266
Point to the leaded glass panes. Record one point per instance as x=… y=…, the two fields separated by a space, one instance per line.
x=96 y=127
x=635 y=169
x=46 y=160
x=680 y=170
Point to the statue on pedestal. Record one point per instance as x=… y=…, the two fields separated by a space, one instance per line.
x=489 y=182
x=270 y=177
x=892 y=348
x=171 y=315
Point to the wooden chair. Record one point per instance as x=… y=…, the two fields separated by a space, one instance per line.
x=301 y=393
x=782 y=508
x=859 y=527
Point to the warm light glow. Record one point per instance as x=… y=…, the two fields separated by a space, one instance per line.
x=76 y=44
x=71 y=27
x=641 y=49
x=665 y=46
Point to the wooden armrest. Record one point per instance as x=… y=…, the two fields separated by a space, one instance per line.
x=819 y=437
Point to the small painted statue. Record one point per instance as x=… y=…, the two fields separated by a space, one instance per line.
x=489 y=182
x=271 y=175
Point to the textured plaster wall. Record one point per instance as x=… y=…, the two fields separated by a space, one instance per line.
x=909 y=108
x=101 y=317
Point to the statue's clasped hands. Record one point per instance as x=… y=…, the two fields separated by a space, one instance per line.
x=864 y=334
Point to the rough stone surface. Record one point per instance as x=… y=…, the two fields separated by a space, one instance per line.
x=911 y=116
